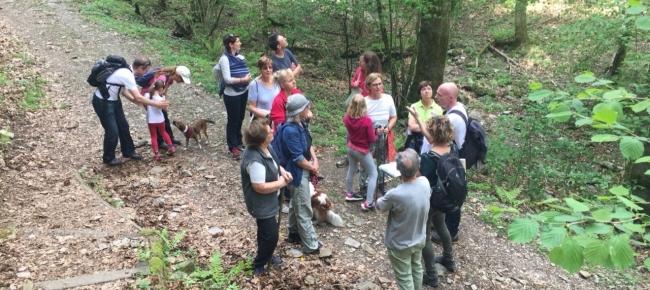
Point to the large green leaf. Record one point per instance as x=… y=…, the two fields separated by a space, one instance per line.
x=622 y=214
x=552 y=237
x=643 y=23
x=605 y=112
x=631 y=227
x=643 y=159
x=523 y=230
x=602 y=215
x=567 y=218
x=628 y=203
x=568 y=255
x=583 y=122
x=647 y=172
x=585 y=77
x=598 y=228
x=619 y=190
x=615 y=94
x=631 y=148
x=641 y=106
x=635 y=10
x=597 y=253
x=620 y=251
x=561 y=116
x=539 y=96
x=647 y=263
x=604 y=138
x=576 y=205
x=602 y=82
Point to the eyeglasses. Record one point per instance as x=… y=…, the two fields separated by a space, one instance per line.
x=376 y=85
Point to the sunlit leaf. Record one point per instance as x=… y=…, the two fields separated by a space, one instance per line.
x=628 y=203
x=597 y=253
x=622 y=214
x=615 y=94
x=598 y=228
x=642 y=159
x=602 y=215
x=568 y=255
x=523 y=230
x=605 y=112
x=576 y=205
x=602 y=82
x=535 y=86
x=647 y=172
x=620 y=251
x=583 y=122
x=641 y=106
x=586 y=77
x=562 y=116
x=619 y=190
x=604 y=138
x=643 y=23
x=552 y=237
x=631 y=148
x=539 y=96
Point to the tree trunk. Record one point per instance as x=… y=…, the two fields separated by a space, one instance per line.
x=388 y=49
x=433 y=41
x=521 y=28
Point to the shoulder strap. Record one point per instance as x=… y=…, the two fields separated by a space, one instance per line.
x=459 y=113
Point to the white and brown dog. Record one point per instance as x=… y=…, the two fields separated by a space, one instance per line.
x=322 y=208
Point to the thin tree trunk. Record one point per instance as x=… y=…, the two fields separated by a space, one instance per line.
x=521 y=28
x=433 y=41
x=388 y=51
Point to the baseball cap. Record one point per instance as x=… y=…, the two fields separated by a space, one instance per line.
x=184 y=72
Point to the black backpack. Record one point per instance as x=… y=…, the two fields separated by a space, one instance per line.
x=475 y=146
x=102 y=69
x=451 y=179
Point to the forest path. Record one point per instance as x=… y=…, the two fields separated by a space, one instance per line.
x=64 y=229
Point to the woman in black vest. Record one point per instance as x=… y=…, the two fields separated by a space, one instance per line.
x=262 y=178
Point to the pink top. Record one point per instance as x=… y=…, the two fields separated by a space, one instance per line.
x=359 y=77
x=360 y=133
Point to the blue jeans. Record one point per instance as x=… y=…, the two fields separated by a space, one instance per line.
x=111 y=115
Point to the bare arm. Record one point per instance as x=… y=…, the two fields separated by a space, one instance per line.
x=134 y=96
x=271 y=187
x=420 y=125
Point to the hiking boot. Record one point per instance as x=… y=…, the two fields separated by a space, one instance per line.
x=353 y=196
x=436 y=238
x=259 y=271
x=171 y=150
x=449 y=263
x=430 y=280
x=342 y=163
x=176 y=142
x=114 y=162
x=134 y=156
x=293 y=238
x=366 y=206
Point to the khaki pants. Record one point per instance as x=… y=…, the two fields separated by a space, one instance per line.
x=407 y=266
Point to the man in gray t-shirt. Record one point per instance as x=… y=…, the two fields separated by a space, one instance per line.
x=408 y=206
x=281 y=56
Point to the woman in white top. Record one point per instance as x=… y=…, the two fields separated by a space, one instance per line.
x=382 y=112
x=263 y=89
x=156 y=120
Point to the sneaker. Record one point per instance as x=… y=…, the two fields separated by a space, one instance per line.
x=114 y=162
x=449 y=263
x=353 y=196
x=259 y=271
x=134 y=156
x=365 y=206
x=436 y=238
x=171 y=150
x=285 y=208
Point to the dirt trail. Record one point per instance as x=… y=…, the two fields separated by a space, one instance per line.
x=64 y=229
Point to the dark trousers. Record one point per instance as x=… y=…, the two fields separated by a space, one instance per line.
x=452 y=221
x=236 y=109
x=267 y=240
x=111 y=116
x=168 y=128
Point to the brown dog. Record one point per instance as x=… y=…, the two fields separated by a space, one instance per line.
x=194 y=132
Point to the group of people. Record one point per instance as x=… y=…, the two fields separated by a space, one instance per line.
x=276 y=150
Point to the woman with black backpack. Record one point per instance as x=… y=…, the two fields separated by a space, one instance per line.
x=438 y=129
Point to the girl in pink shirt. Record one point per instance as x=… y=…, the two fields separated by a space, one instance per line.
x=361 y=134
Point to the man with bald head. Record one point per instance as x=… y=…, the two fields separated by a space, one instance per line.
x=447 y=98
x=408 y=204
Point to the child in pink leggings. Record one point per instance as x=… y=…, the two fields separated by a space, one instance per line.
x=156 y=121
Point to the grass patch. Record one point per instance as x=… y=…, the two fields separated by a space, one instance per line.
x=94 y=181
x=3 y=79
x=33 y=93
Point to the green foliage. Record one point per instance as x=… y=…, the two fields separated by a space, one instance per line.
x=33 y=93
x=597 y=231
x=5 y=137
x=3 y=79
x=170 y=264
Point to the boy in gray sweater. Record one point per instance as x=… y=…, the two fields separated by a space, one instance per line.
x=408 y=206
